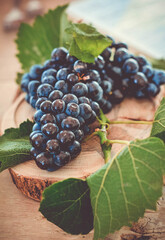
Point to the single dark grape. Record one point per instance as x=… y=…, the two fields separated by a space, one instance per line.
x=74 y=149
x=80 y=89
x=25 y=82
x=79 y=66
x=85 y=110
x=79 y=135
x=38 y=141
x=47 y=118
x=62 y=86
x=37 y=116
x=152 y=90
x=32 y=87
x=49 y=79
x=158 y=77
x=95 y=92
x=72 y=109
x=50 y=130
x=105 y=105
x=92 y=118
x=99 y=62
x=33 y=100
x=44 y=160
x=36 y=71
x=50 y=64
x=84 y=100
x=148 y=71
x=121 y=55
x=70 y=123
x=59 y=54
x=139 y=81
x=62 y=158
x=58 y=106
x=53 y=146
x=130 y=66
x=36 y=126
x=49 y=72
x=46 y=106
x=95 y=107
x=65 y=138
x=62 y=74
x=72 y=78
x=70 y=98
x=44 y=90
x=55 y=94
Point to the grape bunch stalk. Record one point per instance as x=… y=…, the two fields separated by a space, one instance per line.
x=68 y=95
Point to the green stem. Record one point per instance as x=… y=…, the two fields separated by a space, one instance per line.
x=118 y=141
x=131 y=122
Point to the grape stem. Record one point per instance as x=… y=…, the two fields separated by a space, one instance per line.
x=106 y=144
x=131 y=122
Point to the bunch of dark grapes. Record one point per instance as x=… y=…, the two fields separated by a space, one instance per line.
x=68 y=94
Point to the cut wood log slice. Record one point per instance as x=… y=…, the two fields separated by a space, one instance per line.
x=32 y=181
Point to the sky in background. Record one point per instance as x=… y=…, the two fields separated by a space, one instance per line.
x=140 y=23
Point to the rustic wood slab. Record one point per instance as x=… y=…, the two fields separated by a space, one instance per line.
x=31 y=180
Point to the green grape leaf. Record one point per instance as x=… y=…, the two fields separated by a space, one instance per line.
x=18 y=78
x=15 y=145
x=87 y=43
x=122 y=189
x=158 y=63
x=67 y=204
x=158 y=127
x=35 y=43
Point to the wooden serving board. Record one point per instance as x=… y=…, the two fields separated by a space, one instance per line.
x=32 y=181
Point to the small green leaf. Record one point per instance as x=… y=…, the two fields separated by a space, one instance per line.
x=158 y=128
x=123 y=188
x=158 y=63
x=15 y=145
x=67 y=204
x=35 y=43
x=87 y=43
x=18 y=78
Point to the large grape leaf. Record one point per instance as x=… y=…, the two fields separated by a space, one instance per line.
x=36 y=42
x=123 y=188
x=86 y=42
x=158 y=127
x=67 y=204
x=15 y=145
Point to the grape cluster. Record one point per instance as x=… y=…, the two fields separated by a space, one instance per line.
x=68 y=94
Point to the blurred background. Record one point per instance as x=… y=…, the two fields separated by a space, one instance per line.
x=140 y=23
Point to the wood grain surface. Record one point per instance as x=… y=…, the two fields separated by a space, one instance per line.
x=31 y=180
